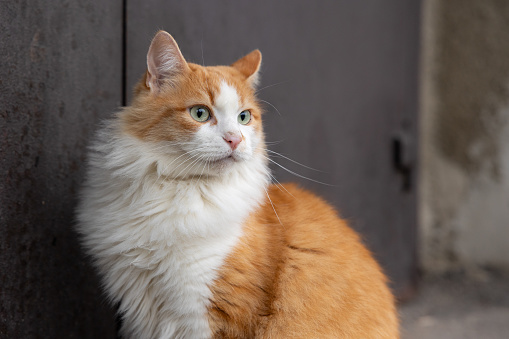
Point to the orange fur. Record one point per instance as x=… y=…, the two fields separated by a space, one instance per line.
x=164 y=117
x=306 y=277
x=302 y=273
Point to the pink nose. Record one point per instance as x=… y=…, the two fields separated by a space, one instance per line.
x=232 y=139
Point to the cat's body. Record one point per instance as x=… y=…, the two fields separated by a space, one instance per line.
x=176 y=213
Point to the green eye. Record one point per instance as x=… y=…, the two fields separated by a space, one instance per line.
x=244 y=117
x=200 y=113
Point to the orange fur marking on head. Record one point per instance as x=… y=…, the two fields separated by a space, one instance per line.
x=161 y=116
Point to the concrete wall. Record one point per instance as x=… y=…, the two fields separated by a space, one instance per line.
x=465 y=134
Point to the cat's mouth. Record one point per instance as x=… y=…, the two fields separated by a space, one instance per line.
x=226 y=159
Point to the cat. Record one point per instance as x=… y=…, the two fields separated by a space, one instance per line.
x=191 y=239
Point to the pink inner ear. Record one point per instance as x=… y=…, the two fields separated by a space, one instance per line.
x=164 y=60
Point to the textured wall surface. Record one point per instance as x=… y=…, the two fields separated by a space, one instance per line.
x=60 y=71
x=465 y=134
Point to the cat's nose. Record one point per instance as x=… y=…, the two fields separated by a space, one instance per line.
x=232 y=139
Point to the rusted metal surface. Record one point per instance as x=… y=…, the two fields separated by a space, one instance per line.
x=343 y=76
x=60 y=72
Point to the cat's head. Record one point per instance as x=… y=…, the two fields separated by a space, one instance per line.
x=200 y=120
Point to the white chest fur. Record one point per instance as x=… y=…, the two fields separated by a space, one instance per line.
x=158 y=243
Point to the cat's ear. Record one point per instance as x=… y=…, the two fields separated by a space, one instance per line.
x=249 y=65
x=164 y=61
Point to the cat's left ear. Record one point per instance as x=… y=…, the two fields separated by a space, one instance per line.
x=164 y=61
x=249 y=66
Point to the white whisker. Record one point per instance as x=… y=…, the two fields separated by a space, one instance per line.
x=162 y=176
x=299 y=175
x=270 y=200
x=271 y=105
x=295 y=162
x=275 y=182
x=273 y=142
x=278 y=83
x=196 y=159
x=278 y=185
x=202 y=57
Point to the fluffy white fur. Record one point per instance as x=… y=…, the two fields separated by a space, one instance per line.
x=159 y=219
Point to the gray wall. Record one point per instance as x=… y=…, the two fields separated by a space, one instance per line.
x=465 y=135
x=60 y=72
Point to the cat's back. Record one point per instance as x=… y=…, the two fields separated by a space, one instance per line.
x=307 y=272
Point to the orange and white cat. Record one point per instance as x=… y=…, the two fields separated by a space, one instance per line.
x=175 y=212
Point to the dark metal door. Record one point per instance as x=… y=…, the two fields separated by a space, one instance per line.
x=340 y=83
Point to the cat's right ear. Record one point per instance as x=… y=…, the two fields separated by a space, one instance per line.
x=249 y=65
x=164 y=61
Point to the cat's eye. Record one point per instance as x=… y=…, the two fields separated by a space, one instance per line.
x=244 y=117
x=200 y=113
